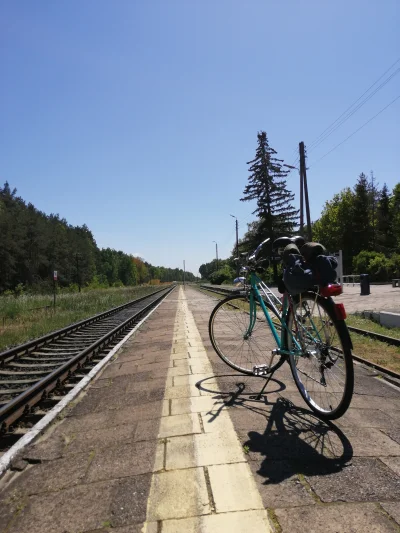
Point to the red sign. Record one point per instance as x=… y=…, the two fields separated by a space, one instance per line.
x=55 y=275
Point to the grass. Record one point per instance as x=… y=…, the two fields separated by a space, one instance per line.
x=369 y=325
x=376 y=352
x=25 y=317
x=372 y=350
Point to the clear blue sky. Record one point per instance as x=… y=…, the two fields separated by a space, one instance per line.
x=137 y=118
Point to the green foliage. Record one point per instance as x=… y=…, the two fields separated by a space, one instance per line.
x=267 y=185
x=208 y=269
x=395 y=265
x=19 y=289
x=385 y=238
x=33 y=245
x=224 y=275
x=360 y=221
x=377 y=265
x=361 y=216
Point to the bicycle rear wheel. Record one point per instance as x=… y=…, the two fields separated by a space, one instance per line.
x=323 y=368
x=236 y=345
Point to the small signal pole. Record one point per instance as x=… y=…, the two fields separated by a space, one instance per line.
x=55 y=276
x=237 y=243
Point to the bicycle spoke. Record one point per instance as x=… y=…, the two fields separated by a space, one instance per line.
x=235 y=341
x=319 y=372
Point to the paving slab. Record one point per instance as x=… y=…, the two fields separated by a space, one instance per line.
x=393 y=509
x=178 y=494
x=54 y=475
x=202 y=450
x=123 y=460
x=173 y=426
x=240 y=522
x=365 y=479
x=280 y=485
x=117 y=503
x=393 y=463
x=234 y=488
x=354 y=518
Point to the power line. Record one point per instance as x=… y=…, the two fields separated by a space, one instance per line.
x=358 y=129
x=334 y=124
x=355 y=109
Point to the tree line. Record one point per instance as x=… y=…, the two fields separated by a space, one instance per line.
x=33 y=245
x=363 y=221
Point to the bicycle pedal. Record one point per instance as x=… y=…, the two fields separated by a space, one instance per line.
x=260 y=370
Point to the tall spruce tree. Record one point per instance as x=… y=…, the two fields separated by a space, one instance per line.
x=362 y=215
x=395 y=214
x=267 y=185
x=385 y=240
x=374 y=196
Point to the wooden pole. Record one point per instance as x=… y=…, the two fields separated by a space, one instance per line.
x=303 y=170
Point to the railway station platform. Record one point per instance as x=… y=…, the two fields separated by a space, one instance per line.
x=168 y=439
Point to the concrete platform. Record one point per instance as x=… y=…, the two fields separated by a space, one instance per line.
x=382 y=298
x=145 y=449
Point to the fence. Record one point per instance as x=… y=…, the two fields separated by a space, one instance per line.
x=351 y=279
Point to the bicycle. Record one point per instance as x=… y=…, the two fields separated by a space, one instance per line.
x=313 y=339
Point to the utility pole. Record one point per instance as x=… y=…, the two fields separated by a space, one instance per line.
x=301 y=201
x=216 y=252
x=183 y=272
x=237 y=243
x=303 y=183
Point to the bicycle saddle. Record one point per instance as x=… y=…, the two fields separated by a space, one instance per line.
x=282 y=242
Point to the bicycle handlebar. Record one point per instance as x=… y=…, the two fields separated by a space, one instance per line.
x=253 y=256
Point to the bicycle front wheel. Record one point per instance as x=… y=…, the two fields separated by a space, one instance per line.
x=240 y=342
x=323 y=366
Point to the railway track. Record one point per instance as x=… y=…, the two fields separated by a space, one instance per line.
x=377 y=336
x=35 y=375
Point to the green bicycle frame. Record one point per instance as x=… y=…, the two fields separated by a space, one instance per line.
x=255 y=297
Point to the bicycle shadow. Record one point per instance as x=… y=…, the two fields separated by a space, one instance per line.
x=294 y=441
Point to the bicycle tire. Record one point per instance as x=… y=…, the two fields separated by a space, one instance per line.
x=227 y=327
x=325 y=365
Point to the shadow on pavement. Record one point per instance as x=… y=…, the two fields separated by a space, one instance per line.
x=294 y=441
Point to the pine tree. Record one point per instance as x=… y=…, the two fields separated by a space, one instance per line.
x=374 y=196
x=384 y=234
x=395 y=214
x=267 y=185
x=361 y=215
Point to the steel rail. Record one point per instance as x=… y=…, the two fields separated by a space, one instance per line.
x=22 y=403
x=40 y=341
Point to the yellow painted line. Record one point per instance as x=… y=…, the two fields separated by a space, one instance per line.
x=205 y=484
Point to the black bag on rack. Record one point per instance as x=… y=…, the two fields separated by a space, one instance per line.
x=301 y=275
x=297 y=276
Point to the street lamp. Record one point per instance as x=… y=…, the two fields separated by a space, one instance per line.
x=237 y=242
x=216 y=252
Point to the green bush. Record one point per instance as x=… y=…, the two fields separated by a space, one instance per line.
x=98 y=282
x=377 y=265
x=394 y=266
x=225 y=274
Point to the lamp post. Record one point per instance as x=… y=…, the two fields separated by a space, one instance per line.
x=237 y=242
x=216 y=252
